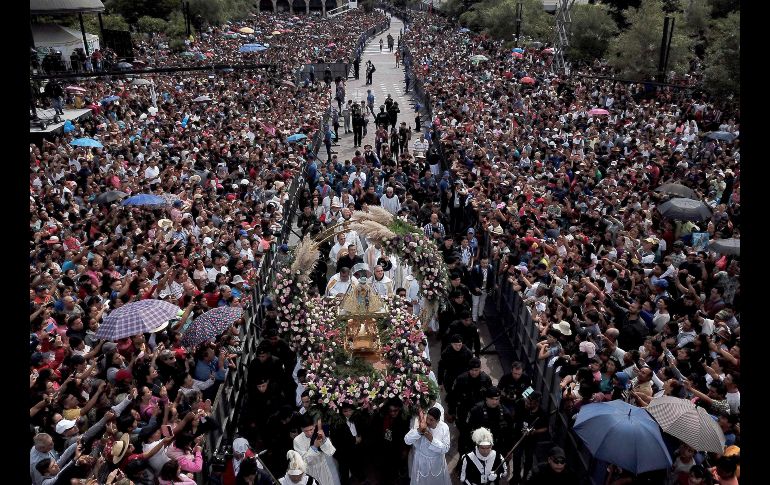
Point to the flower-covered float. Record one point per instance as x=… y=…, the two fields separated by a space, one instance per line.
x=360 y=348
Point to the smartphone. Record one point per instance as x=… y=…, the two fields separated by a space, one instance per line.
x=166 y=430
x=50 y=328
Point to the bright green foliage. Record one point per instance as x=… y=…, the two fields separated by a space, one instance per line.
x=590 y=33
x=722 y=74
x=636 y=51
x=149 y=25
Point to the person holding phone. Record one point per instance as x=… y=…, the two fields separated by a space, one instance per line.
x=186 y=450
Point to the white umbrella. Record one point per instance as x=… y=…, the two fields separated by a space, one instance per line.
x=690 y=423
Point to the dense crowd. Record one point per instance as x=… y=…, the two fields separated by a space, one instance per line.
x=552 y=187
x=562 y=205
x=213 y=147
x=519 y=185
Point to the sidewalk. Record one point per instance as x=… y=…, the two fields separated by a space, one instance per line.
x=387 y=79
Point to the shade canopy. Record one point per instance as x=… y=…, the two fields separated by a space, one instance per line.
x=64 y=7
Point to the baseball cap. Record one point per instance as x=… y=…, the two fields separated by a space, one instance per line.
x=493 y=392
x=556 y=452
x=64 y=425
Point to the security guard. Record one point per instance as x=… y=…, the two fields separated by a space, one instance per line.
x=491 y=415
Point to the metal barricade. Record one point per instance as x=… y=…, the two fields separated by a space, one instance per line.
x=523 y=335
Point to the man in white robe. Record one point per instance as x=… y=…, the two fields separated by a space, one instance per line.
x=318 y=454
x=381 y=284
x=339 y=283
x=430 y=439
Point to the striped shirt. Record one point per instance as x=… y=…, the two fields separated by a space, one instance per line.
x=429 y=228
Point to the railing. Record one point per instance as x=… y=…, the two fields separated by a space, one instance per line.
x=517 y=324
x=230 y=396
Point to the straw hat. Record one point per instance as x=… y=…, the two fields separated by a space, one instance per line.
x=120 y=448
x=165 y=224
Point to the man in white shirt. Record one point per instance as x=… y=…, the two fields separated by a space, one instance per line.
x=420 y=146
x=219 y=267
x=381 y=284
x=151 y=173
x=390 y=201
x=340 y=244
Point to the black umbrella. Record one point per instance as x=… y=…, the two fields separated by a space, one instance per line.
x=685 y=210
x=678 y=190
x=110 y=196
x=726 y=246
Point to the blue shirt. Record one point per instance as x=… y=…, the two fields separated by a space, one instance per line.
x=203 y=370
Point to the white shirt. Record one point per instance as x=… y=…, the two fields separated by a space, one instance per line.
x=420 y=147
x=151 y=173
x=390 y=204
x=158 y=459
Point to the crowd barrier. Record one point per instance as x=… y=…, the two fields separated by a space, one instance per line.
x=517 y=324
x=230 y=396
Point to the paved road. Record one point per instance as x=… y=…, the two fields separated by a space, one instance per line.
x=387 y=79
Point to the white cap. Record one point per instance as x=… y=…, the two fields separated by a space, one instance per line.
x=297 y=464
x=207 y=240
x=65 y=424
x=240 y=445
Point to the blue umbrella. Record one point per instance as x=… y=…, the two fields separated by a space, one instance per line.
x=721 y=135
x=464 y=30
x=110 y=99
x=86 y=142
x=519 y=50
x=252 y=48
x=144 y=199
x=296 y=137
x=622 y=434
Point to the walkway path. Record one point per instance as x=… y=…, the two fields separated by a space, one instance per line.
x=387 y=79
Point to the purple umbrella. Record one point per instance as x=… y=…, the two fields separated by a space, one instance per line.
x=135 y=318
x=210 y=324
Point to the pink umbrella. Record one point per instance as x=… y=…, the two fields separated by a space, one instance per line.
x=331 y=44
x=549 y=50
x=76 y=89
x=527 y=80
x=517 y=55
x=598 y=112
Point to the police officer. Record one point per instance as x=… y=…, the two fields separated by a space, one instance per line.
x=382 y=118
x=513 y=385
x=470 y=332
x=455 y=360
x=491 y=415
x=530 y=419
x=358 y=124
x=469 y=389
x=457 y=305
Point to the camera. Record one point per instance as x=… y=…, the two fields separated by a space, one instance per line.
x=219 y=459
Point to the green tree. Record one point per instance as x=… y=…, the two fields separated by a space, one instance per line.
x=175 y=27
x=636 y=51
x=498 y=19
x=590 y=33
x=697 y=14
x=721 y=8
x=722 y=72
x=150 y=25
x=132 y=10
x=212 y=12
x=91 y=23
